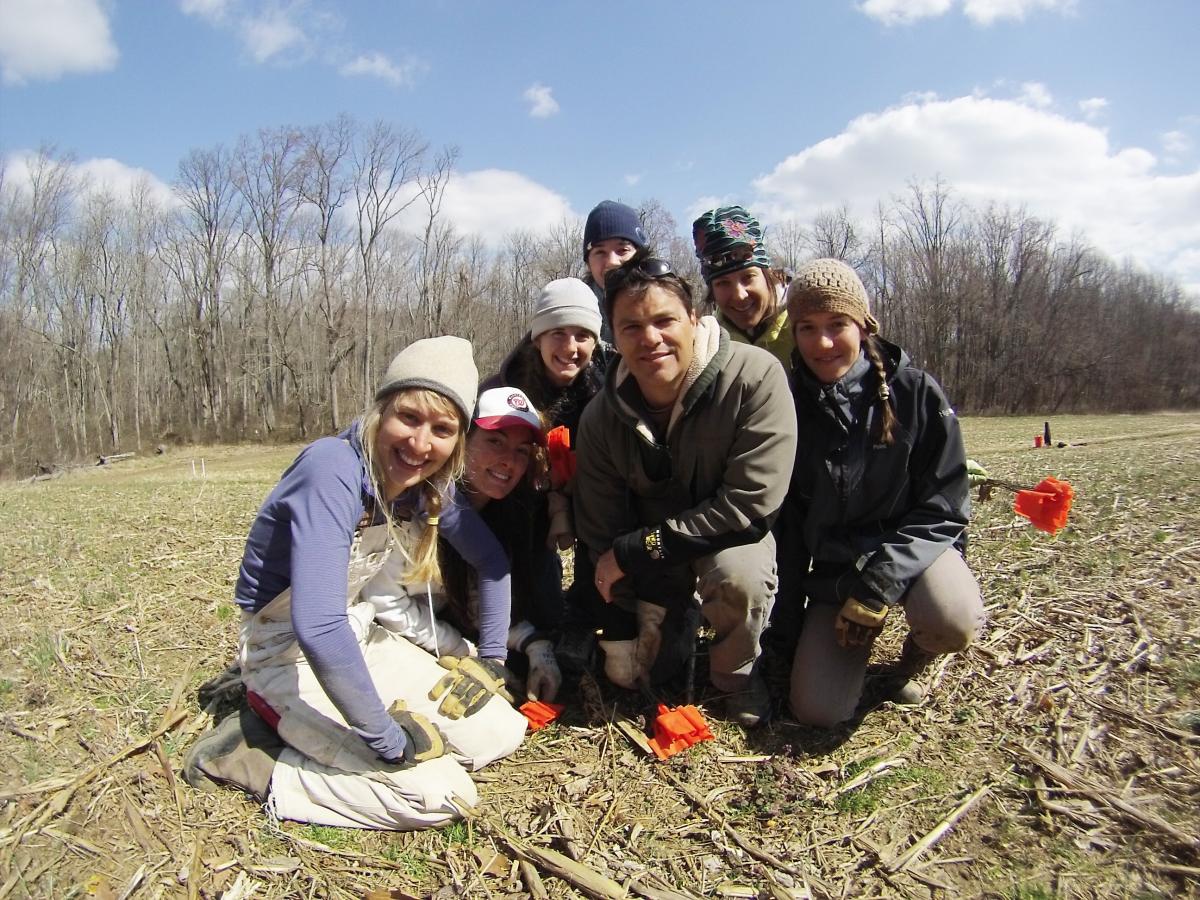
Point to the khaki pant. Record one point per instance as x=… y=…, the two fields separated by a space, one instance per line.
x=944 y=611
x=736 y=590
x=328 y=775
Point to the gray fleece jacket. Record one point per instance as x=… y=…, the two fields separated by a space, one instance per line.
x=716 y=480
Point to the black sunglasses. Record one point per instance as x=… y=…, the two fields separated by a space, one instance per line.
x=651 y=268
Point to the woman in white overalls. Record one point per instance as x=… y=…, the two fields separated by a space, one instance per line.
x=349 y=722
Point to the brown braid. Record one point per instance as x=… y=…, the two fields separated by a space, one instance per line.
x=887 y=415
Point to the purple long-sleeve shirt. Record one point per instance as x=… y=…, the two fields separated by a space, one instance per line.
x=301 y=539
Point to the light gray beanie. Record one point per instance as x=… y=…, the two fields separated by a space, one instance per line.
x=443 y=364
x=565 y=301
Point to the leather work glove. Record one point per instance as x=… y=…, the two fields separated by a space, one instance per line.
x=650 y=617
x=469 y=685
x=544 y=676
x=859 y=621
x=424 y=740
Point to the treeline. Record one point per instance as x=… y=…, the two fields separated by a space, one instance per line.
x=264 y=298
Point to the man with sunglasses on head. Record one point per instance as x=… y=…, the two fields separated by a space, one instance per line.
x=746 y=291
x=684 y=461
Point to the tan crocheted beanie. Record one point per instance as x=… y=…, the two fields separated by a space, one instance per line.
x=829 y=285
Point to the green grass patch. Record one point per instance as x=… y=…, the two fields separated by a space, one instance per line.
x=876 y=793
x=414 y=864
x=331 y=837
x=456 y=833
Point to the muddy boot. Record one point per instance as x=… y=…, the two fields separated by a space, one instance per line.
x=751 y=706
x=241 y=752
x=904 y=685
x=223 y=690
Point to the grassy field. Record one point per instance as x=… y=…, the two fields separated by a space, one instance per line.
x=1064 y=748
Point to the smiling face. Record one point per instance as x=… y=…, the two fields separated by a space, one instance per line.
x=608 y=254
x=565 y=352
x=746 y=297
x=497 y=460
x=829 y=343
x=413 y=442
x=654 y=332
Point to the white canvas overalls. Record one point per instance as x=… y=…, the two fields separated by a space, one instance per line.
x=328 y=775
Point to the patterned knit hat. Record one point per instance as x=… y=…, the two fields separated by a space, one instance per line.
x=443 y=364
x=613 y=220
x=829 y=285
x=728 y=239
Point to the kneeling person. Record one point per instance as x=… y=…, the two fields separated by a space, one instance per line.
x=684 y=460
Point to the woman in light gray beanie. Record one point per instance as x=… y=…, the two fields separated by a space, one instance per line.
x=351 y=721
x=560 y=365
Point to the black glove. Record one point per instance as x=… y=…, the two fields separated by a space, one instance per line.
x=469 y=685
x=425 y=740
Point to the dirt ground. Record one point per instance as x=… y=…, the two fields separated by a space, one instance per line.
x=1059 y=757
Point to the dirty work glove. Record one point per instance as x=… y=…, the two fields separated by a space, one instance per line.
x=469 y=685
x=424 y=740
x=544 y=676
x=649 y=640
x=859 y=621
x=976 y=474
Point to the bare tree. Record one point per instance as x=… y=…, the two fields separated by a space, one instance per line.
x=387 y=161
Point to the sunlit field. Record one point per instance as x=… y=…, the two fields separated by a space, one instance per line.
x=1056 y=758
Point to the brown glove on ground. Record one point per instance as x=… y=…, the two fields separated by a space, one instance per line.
x=469 y=685
x=425 y=740
x=859 y=621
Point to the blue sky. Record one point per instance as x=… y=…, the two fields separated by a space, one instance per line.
x=1085 y=111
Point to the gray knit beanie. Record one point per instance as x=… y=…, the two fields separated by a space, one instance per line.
x=829 y=285
x=565 y=301
x=443 y=364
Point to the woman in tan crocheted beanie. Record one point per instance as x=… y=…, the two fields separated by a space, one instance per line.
x=878 y=503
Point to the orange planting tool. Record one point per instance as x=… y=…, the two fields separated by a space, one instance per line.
x=676 y=729
x=562 y=457
x=540 y=714
x=1047 y=505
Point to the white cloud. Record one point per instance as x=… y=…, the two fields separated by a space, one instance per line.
x=633 y=179
x=1176 y=143
x=492 y=203
x=1092 y=107
x=45 y=39
x=1001 y=150
x=270 y=34
x=542 y=104
x=93 y=176
x=981 y=12
x=902 y=12
x=985 y=12
x=212 y=10
x=1034 y=93
x=378 y=65
x=120 y=180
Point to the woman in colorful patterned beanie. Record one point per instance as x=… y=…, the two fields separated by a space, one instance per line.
x=741 y=283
